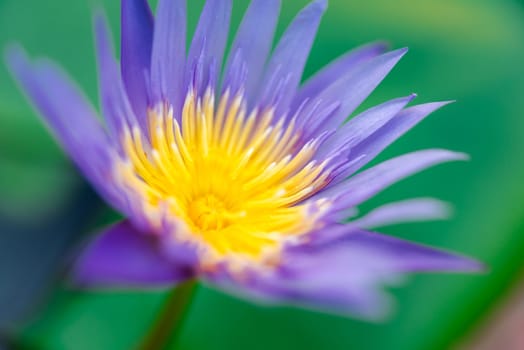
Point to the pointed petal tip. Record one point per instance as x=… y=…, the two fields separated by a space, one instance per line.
x=13 y=53
x=99 y=17
x=405 y=100
x=315 y=8
x=321 y=4
x=396 y=55
x=482 y=268
x=462 y=156
x=430 y=107
x=136 y=9
x=459 y=264
x=397 y=52
x=17 y=61
x=443 y=103
x=411 y=97
x=444 y=210
x=98 y=12
x=393 y=56
x=470 y=265
x=450 y=155
x=99 y=20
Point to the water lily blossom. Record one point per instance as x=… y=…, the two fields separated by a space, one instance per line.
x=229 y=170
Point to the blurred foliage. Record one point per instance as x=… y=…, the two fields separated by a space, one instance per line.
x=468 y=50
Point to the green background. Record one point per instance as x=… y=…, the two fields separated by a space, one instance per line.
x=471 y=51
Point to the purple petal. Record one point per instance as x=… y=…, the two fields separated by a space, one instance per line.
x=348 y=92
x=136 y=42
x=361 y=127
x=169 y=51
x=286 y=65
x=124 y=257
x=207 y=49
x=71 y=118
x=115 y=104
x=368 y=183
x=252 y=43
x=405 y=256
x=418 y=209
x=386 y=135
x=352 y=289
x=332 y=72
x=346 y=275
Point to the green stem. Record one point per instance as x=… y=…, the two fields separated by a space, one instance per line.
x=169 y=321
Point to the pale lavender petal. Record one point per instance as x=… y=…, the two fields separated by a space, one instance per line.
x=363 y=260
x=339 y=67
x=136 y=42
x=251 y=46
x=169 y=52
x=361 y=127
x=349 y=285
x=348 y=92
x=71 y=118
x=287 y=63
x=346 y=275
x=121 y=256
x=366 y=261
x=371 y=181
x=116 y=108
x=370 y=147
x=411 y=210
x=207 y=49
x=405 y=256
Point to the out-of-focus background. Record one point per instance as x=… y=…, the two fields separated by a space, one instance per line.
x=468 y=50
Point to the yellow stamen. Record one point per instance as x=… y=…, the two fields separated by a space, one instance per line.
x=236 y=181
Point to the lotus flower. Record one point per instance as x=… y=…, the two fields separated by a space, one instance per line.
x=235 y=173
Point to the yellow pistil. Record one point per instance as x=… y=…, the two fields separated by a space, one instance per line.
x=235 y=181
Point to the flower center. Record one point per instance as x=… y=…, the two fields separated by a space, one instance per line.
x=208 y=213
x=238 y=183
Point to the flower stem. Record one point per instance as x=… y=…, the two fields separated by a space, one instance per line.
x=169 y=321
